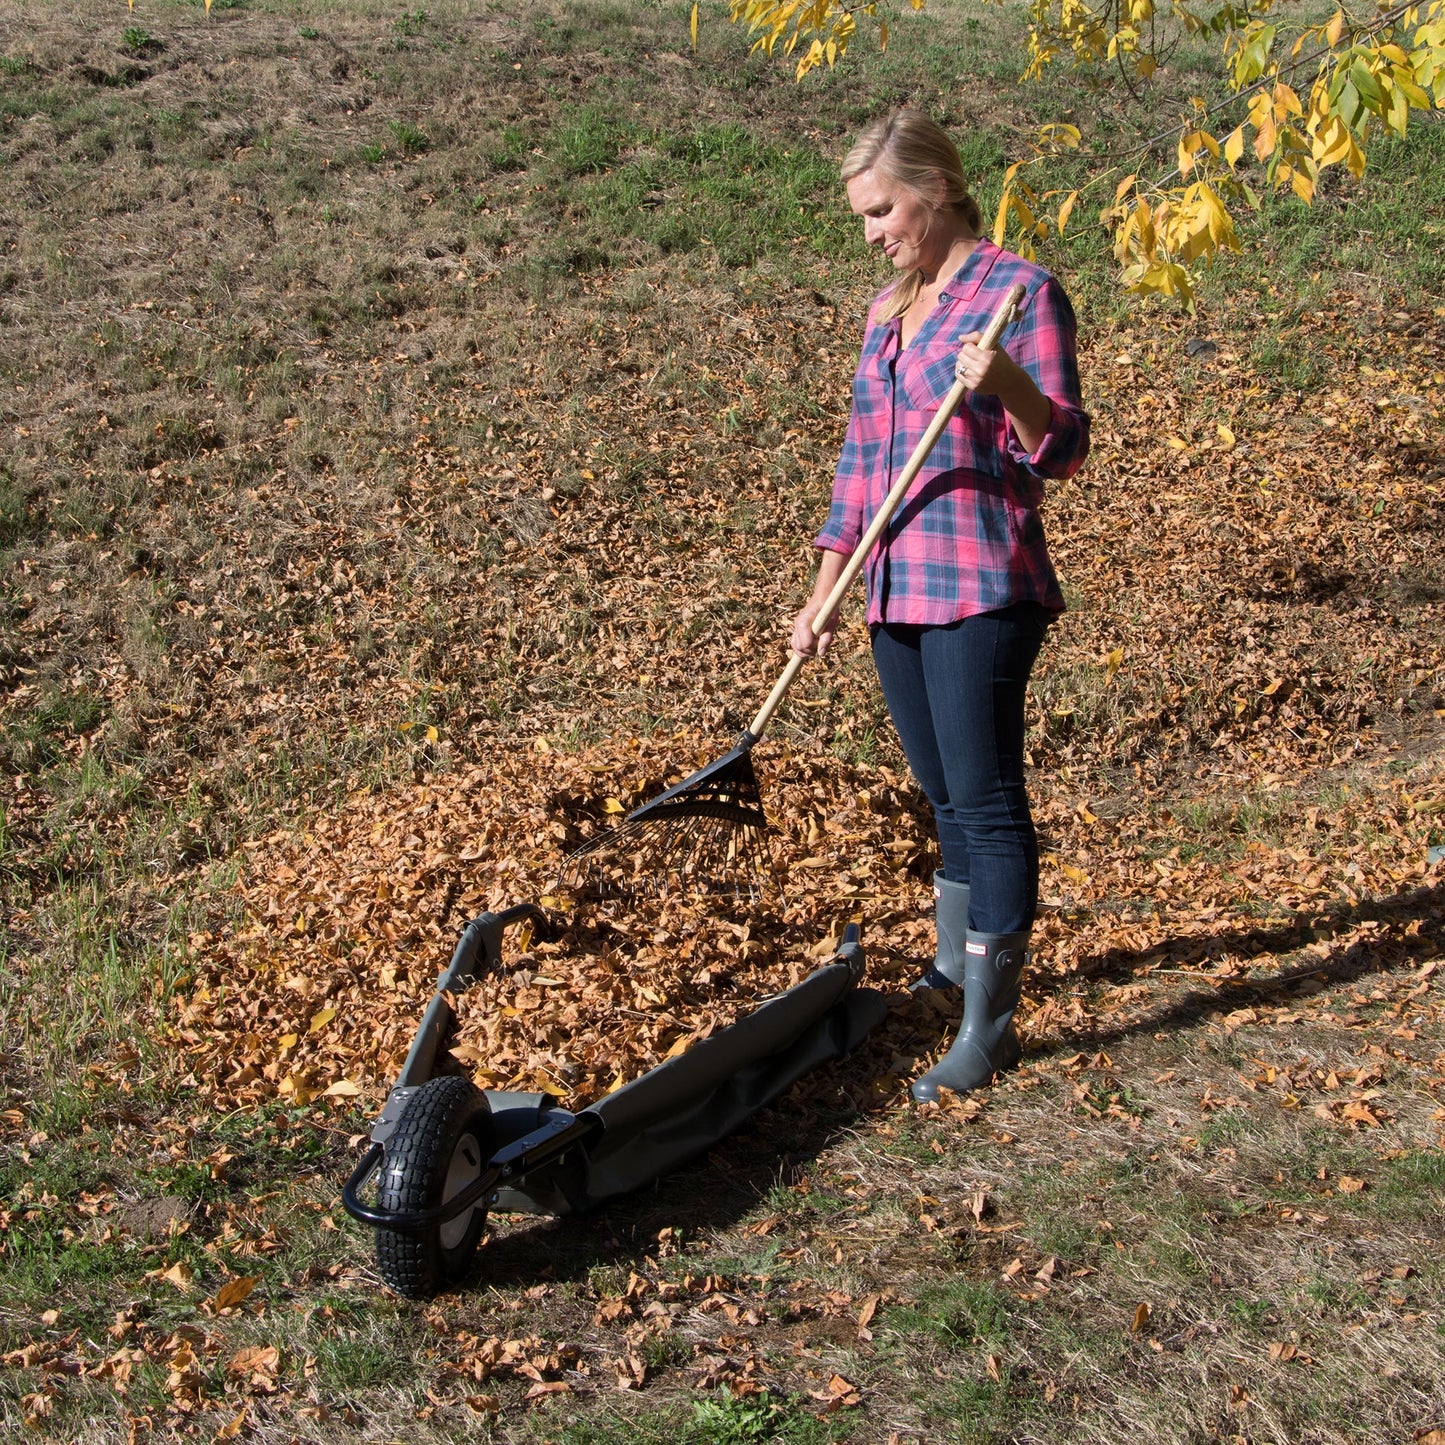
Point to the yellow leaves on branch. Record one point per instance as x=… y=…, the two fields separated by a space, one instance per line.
x=821 y=28
x=1157 y=240
x=1363 y=76
x=1365 y=73
x=1032 y=214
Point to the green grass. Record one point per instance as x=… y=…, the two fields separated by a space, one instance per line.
x=959 y=1315
x=752 y=1420
x=614 y=188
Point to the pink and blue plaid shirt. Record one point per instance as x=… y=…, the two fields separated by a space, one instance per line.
x=968 y=537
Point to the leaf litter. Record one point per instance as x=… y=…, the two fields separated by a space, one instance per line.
x=1234 y=734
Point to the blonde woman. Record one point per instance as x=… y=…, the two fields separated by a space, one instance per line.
x=960 y=587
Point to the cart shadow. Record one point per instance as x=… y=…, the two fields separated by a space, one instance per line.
x=1401 y=949
x=713 y=1194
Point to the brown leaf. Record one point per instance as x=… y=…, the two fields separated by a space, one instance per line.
x=233 y=1292
x=232 y=1428
x=259 y=1362
x=179 y=1274
x=1361 y=1113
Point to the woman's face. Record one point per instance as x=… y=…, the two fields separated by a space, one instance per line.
x=911 y=232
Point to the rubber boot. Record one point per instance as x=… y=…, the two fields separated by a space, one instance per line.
x=987 y=1042
x=950 y=919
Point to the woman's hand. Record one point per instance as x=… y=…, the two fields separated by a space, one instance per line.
x=805 y=643
x=996 y=373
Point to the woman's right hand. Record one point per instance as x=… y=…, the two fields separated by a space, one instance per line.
x=805 y=643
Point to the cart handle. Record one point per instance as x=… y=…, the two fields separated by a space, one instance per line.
x=477 y=951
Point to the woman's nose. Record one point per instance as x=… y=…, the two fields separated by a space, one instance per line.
x=872 y=231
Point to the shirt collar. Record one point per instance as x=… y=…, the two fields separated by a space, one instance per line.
x=964 y=283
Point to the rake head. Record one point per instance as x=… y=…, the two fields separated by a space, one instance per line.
x=704 y=835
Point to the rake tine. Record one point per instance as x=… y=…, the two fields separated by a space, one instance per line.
x=708 y=847
x=703 y=832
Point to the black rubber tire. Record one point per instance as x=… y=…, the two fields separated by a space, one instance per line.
x=442 y=1142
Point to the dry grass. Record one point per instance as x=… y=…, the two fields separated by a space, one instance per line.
x=370 y=371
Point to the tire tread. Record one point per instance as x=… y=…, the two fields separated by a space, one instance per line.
x=413 y=1176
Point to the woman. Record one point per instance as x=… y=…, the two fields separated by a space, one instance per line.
x=960 y=585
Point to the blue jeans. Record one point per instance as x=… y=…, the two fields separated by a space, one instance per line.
x=956 y=695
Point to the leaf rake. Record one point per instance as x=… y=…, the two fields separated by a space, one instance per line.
x=707 y=832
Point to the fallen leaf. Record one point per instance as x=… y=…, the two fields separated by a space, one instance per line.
x=232 y=1428
x=233 y=1292
x=179 y=1274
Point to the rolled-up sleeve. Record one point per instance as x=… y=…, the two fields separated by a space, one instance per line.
x=1045 y=344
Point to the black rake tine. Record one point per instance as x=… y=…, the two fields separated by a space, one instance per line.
x=705 y=851
x=707 y=832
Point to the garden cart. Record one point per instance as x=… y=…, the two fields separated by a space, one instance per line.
x=444 y=1152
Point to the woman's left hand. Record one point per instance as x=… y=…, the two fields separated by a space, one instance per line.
x=996 y=373
x=990 y=373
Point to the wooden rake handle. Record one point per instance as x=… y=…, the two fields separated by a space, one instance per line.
x=1008 y=309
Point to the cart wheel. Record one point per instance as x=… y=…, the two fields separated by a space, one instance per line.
x=441 y=1143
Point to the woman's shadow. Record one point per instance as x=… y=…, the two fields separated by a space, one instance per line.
x=1411 y=933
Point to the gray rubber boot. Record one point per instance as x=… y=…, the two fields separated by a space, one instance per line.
x=986 y=1042
x=950 y=918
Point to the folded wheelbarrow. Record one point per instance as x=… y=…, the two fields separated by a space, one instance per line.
x=444 y=1152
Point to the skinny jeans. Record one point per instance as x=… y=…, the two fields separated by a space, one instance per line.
x=956 y=696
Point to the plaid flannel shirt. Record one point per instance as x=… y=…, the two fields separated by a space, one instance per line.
x=968 y=537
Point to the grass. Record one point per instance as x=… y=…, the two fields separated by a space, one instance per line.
x=367 y=372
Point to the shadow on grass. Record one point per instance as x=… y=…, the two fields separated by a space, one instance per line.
x=1400 y=945
x=713 y=1194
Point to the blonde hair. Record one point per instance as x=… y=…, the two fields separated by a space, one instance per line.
x=914 y=151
